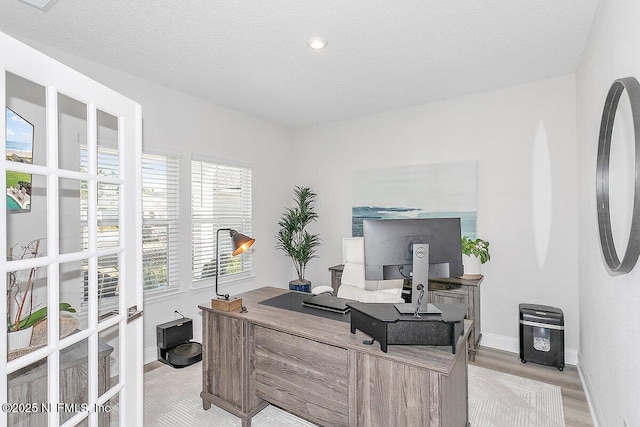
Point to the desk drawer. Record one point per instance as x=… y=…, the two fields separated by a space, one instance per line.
x=305 y=377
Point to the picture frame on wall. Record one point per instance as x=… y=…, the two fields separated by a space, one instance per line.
x=19 y=148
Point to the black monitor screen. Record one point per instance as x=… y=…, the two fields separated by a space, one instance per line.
x=388 y=243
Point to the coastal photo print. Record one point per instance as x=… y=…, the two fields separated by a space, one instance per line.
x=439 y=190
x=19 y=137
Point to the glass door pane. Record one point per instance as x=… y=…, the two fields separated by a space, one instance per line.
x=73 y=205
x=108 y=358
x=24 y=387
x=108 y=155
x=72 y=134
x=74 y=380
x=26 y=126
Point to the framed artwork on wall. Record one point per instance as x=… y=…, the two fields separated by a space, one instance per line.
x=19 y=148
x=439 y=190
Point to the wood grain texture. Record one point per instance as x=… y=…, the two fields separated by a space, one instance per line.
x=305 y=377
x=335 y=333
x=315 y=368
x=227 y=369
x=466 y=291
x=390 y=393
x=455 y=407
x=29 y=384
x=336 y=277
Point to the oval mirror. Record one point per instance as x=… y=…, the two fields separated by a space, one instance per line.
x=617 y=176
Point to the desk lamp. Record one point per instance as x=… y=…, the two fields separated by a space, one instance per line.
x=239 y=244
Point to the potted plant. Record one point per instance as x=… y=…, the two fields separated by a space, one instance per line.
x=19 y=326
x=294 y=239
x=475 y=253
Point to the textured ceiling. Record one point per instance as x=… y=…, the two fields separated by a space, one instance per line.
x=252 y=55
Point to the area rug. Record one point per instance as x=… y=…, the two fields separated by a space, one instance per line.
x=498 y=400
x=172 y=398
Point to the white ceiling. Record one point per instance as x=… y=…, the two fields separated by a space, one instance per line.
x=252 y=55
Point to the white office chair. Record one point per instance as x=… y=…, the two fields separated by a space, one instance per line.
x=353 y=284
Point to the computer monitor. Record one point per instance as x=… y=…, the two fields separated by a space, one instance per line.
x=389 y=244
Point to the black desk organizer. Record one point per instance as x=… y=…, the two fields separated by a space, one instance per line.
x=385 y=324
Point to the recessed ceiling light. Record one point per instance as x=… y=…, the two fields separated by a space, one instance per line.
x=40 y=4
x=317 y=42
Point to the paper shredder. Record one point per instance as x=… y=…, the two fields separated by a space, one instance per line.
x=542 y=335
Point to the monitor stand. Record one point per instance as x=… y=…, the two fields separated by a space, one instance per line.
x=419 y=284
x=420 y=270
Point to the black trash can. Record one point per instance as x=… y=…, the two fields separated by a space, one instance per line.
x=542 y=335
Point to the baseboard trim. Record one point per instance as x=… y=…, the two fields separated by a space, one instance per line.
x=594 y=408
x=512 y=345
x=151 y=353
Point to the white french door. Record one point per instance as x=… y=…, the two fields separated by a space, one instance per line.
x=71 y=162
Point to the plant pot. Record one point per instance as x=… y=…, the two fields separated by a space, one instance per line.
x=472 y=266
x=300 y=285
x=19 y=339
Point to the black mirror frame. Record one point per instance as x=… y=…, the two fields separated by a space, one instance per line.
x=602 y=178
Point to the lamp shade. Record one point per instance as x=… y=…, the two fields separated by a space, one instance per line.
x=240 y=243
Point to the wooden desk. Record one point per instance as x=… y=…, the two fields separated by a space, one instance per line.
x=315 y=368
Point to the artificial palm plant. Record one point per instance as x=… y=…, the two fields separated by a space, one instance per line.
x=293 y=238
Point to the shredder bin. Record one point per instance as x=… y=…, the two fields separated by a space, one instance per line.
x=542 y=335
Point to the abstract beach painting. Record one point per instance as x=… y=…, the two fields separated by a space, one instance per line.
x=439 y=190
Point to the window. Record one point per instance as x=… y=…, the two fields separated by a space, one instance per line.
x=220 y=198
x=108 y=224
x=160 y=215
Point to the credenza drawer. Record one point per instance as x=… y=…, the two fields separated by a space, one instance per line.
x=303 y=376
x=449 y=287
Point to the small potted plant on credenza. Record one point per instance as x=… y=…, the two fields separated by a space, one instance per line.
x=474 y=254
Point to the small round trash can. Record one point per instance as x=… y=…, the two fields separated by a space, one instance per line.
x=542 y=335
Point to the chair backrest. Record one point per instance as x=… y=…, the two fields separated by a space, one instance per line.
x=353 y=284
x=353 y=259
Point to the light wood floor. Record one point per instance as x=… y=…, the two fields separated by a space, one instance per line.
x=576 y=409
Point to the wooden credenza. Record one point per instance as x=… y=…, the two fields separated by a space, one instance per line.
x=459 y=290
x=446 y=290
x=316 y=369
x=29 y=385
x=336 y=277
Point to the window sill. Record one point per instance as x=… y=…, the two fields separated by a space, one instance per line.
x=221 y=284
x=159 y=296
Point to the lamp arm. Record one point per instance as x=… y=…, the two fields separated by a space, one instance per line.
x=225 y=296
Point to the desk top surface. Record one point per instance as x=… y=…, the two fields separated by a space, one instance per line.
x=338 y=333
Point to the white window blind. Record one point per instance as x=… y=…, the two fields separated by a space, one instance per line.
x=160 y=216
x=221 y=198
x=108 y=223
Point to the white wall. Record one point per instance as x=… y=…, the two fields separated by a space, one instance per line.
x=508 y=132
x=609 y=306
x=183 y=125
